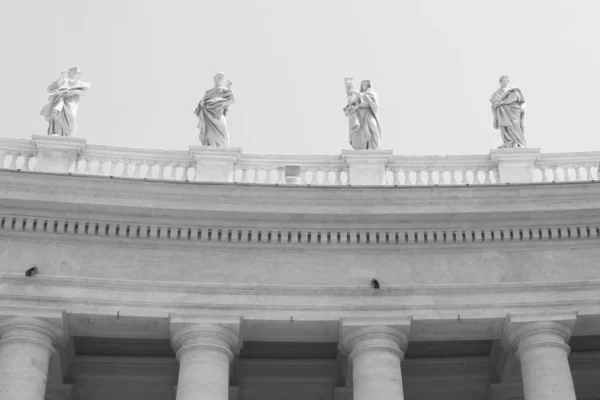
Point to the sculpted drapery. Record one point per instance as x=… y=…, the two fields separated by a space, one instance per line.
x=212 y=112
x=362 y=110
x=61 y=109
x=508 y=107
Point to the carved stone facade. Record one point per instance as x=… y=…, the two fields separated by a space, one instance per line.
x=166 y=289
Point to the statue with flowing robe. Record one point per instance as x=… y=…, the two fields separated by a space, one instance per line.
x=212 y=113
x=362 y=110
x=61 y=109
x=508 y=107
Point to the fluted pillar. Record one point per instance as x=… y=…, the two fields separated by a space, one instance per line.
x=204 y=352
x=26 y=345
x=542 y=350
x=376 y=353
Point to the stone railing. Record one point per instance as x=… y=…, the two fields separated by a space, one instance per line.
x=315 y=170
x=379 y=167
x=566 y=167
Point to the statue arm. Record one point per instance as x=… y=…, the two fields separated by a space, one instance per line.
x=510 y=98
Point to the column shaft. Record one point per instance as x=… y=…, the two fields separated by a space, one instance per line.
x=26 y=346
x=543 y=354
x=376 y=356
x=204 y=356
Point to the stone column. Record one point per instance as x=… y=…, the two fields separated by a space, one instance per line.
x=26 y=345
x=542 y=350
x=215 y=164
x=57 y=153
x=367 y=167
x=376 y=354
x=515 y=165
x=204 y=352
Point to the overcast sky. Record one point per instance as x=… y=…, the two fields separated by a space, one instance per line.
x=433 y=64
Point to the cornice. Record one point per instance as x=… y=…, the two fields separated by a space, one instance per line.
x=217 y=237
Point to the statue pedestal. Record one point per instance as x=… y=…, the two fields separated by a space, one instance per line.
x=215 y=164
x=57 y=153
x=515 y=165
x=366 y=167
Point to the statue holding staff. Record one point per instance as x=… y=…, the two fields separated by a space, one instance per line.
x=508 y=107
x=61 y=109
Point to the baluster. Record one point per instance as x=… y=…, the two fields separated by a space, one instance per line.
x=268 y=171
x=190 y=172
x=589 y=172
x=136 y=169
x=13 y=160
x=3 y=155
x=326 y=171
x=113 y=166
x=303 y=175
x=280 y=175
x=442 y=176
x=101 y=166
x=568 y=176
x=26 y=158
x=488 y=172
x=419 y=181
x=476 y=179
x=396 y=180
x=161 y=170
x=149 y=166
x=173 y=174
x=257 y=170
x=453 y=177
x=184 y=171
x=465 y=176
x=555 y=177
x=578 y=176
x=337 y=176
x=88 y=166
x=544 y=171
x=430 y=178
x=77 y=168
x=244 y=178
x=125 y=173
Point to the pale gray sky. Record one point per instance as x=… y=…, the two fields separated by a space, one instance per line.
x=432 y=63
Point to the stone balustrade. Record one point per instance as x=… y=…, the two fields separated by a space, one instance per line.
x=377 y=168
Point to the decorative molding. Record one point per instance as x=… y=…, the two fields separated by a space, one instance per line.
x=316 y=237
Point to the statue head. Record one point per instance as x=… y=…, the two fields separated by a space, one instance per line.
x=504 y=81
x=349 y=83
x=74 y=72
x=219 y=78
x=365 y=85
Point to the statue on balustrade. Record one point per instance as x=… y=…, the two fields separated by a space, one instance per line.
x=362 y=110
x=61 y=109
x=508 y=107
x=212 y=112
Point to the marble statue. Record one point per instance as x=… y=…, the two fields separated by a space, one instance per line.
x=211 y=113
x=362 y=110
x=508 y=107
x=61 y=109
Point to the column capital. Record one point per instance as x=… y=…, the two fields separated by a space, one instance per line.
x=526 y=330
x=221 y=333
x=359 y=334
x=32 y=330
